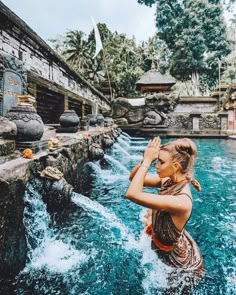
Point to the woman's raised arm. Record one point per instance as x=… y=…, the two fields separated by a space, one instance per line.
x=150 y=180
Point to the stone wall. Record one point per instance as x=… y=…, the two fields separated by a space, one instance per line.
x=187 y=113
x=44 y=66
x=197 y=104
x=180 y=121
x=69 y=158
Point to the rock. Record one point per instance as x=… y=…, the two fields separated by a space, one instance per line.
x=8 y=129
x=108 y=121
x=135 y=115
x=121 y=121
x=152 y=110
x=96 y=152
x=152 y=118
x=7 y=147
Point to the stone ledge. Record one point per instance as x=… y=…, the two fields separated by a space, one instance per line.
x=7 y=147
x=197 y=99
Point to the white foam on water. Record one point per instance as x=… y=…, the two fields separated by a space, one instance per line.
x=110 y=218
x=125 y=135
x=108 y=177
x=121 y=149
x=44 y=249
x=116 y=164
x=217 y=164
x=125 y=138
x=143 y=142
x=57 y=256
x=96 y=167
x=123 y=143
x=138 y=148
x=156 y=272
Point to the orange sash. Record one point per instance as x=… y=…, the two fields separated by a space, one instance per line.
x=158 y=244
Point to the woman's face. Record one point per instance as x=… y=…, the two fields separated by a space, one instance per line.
x=164 y=165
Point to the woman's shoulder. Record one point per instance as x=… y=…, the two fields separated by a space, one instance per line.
x=186 y=191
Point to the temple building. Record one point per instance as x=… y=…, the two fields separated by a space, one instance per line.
x=153 y=82
x=28 y=65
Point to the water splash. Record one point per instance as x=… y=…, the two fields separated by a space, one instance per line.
x=116 y=164
x=121 y=149
x=126 y=135
x=94 y=208
x=45 y=251
x=123 y=143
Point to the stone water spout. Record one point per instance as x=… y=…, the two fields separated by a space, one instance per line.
x=56 y=191
x=96 y=152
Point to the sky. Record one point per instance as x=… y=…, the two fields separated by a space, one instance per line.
x=49 y=18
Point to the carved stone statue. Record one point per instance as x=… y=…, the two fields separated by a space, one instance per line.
x=152 y=110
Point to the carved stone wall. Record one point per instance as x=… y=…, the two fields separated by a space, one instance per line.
x=153 y=111
x=181 y=121
x=180 y=114
x=44 y=66
x=210 y=121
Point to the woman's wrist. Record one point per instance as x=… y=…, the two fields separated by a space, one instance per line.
x=146 y=163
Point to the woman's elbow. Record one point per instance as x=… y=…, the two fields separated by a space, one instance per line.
x=129 y=195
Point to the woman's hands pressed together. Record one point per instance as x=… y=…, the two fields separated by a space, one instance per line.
x=152 y=150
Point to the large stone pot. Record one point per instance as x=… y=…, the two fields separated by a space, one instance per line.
x=69 y=119
x=29 y=124
x=92 y=120
x=100 y=120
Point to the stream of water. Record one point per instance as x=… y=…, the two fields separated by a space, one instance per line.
x=98 y=245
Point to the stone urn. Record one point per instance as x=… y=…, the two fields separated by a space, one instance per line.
x=29 y=124
x=69 y=119
x=92 y=120
x=100 y=120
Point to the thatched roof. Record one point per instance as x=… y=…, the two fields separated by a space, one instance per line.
x=153 y=77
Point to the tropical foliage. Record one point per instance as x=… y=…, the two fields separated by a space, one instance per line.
x=195 y=33
x=192 y=44
x=122 y=59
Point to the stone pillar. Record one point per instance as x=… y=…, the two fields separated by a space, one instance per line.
x=82 y=110
x=231 y=119
x=196 y=118
x=95 y=109
x=223 y=120
x=66 y=103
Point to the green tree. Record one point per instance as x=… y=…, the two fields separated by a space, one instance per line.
x=195 y=32
x=122 y=59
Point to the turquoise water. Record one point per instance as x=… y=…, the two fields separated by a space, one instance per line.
x=97 y=245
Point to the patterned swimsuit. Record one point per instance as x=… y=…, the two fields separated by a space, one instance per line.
x=186 y=256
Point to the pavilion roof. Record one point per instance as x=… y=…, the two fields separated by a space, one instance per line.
x=153 y=77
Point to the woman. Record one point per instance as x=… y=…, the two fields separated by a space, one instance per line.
x=170 y=209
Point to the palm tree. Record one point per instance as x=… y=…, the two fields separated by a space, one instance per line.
x=77 y=50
